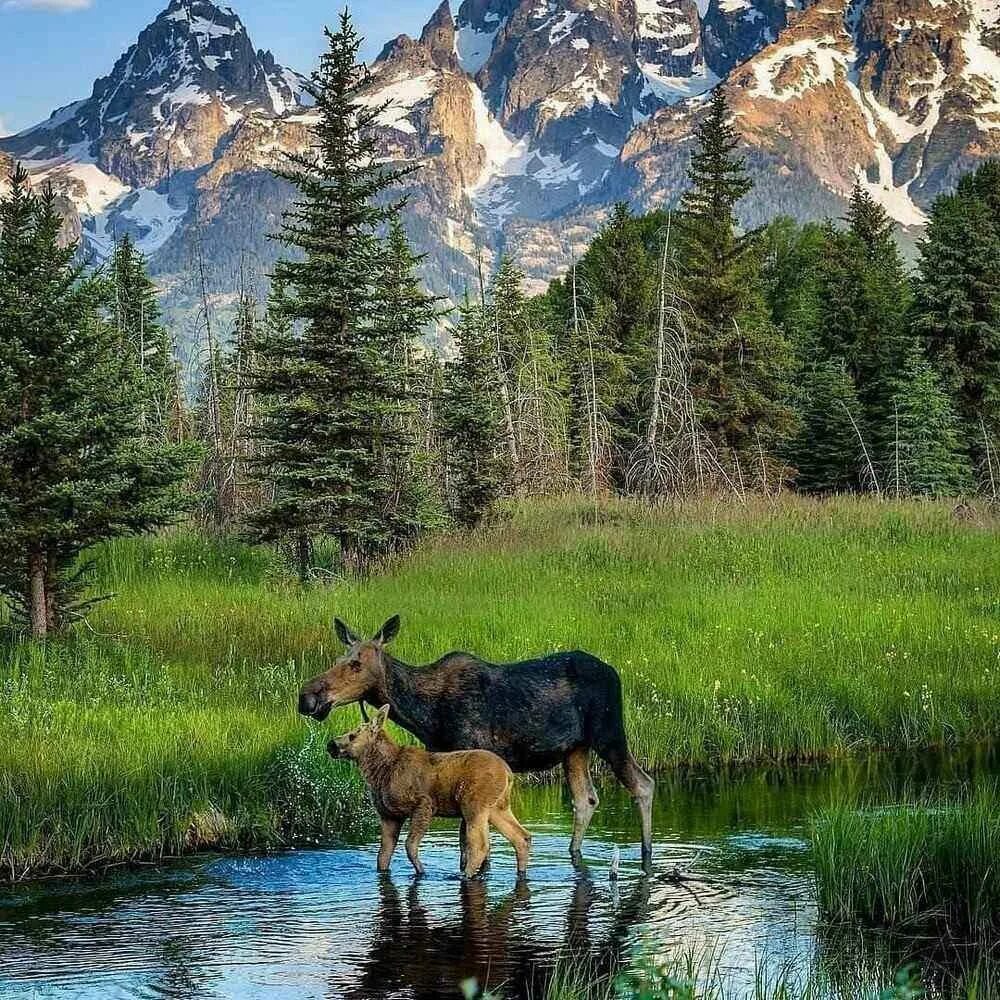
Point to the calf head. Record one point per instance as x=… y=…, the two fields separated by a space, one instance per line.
x=360 y=673
x=353 y=745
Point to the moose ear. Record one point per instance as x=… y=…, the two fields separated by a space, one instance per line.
x=344 y=633
x=378 y=723
x=388 y=631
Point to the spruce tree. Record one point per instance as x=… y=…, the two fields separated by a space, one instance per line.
x=410 y=502
x=617 y=283
x=327 y=383
x=826 y=449
x=75 y=466
x=741 y=361
x=143 y=336
x=472 y=421
x=927 y=457
x=957 y=300
x=878 y=285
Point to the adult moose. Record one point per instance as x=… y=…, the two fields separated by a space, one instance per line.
x=533 y=713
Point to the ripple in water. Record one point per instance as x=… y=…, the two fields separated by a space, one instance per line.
x=322 y=924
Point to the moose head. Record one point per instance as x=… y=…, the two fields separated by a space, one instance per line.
x=353 y=745
x=358 y=674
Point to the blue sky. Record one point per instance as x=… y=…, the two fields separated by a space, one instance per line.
x=51 y=51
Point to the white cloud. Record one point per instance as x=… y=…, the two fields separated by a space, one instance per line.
x=3 y=127
x=47 y=4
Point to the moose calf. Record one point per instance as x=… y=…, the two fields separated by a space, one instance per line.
x=412 y=783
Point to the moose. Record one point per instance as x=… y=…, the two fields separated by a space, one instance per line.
x=411 y=783
x=533 y=714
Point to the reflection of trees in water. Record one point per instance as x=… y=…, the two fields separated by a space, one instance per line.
x=180 y=970
x=491 y=943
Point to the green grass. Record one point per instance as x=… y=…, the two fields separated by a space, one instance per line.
x=929 y=867
x=648 y=974
x=782 y=631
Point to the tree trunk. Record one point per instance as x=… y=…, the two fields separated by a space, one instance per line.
x=38 y=604
x=303 y=552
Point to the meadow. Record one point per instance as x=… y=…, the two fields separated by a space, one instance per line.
x=785 y=630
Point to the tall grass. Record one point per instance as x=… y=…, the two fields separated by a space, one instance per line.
x=705 y=975
x=930 y=866
x=779 y=631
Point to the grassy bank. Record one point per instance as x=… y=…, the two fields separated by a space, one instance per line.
x=784 y=631
x=930 y=866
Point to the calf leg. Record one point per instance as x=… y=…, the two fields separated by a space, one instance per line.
x=420 y=822
x=390 y=838
x=478 y=841
x=627 y=770
x=577 y=769
x=506 y=822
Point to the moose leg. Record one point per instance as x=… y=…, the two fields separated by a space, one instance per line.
x=577 y=768
x=506 y=822
x=420 y=822
x=479 y=842
x=463 y=845
x=627 y=770
x=390 y=838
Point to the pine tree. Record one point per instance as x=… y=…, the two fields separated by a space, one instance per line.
x=741 y=361
x=407 y=313
x=506 y=308
x=472 y=421
x=327 y=381
x=75 y=467
x=143 y=336
x=826 y=449
x=928 y=457
x=880 y=289
x=957 y=300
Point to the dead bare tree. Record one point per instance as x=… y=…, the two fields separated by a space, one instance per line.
x=597 y=439
x=869 y=465
x=210 y=401
x=676 y=455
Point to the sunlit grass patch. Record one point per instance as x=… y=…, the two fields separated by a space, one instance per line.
x=783 y=630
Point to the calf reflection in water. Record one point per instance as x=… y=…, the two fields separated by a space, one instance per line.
x=411 y=783
x=507 y=942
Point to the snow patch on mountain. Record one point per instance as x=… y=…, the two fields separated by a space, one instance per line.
x=149 y=216
x=474 y=47
x=673 y=89
x=504 y=154
x=815 y=62
x=401 y=97
x=982 y=64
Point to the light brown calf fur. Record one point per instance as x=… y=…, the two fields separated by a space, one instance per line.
x=412 y=783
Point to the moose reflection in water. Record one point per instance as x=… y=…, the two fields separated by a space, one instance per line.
x=413 y=953
x=534 y=714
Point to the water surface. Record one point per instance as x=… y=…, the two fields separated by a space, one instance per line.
x=321 y=923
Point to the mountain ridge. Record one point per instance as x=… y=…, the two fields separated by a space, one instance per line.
x=528 y=119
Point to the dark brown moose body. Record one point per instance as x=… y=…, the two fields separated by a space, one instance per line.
x=414 y=784
x=534 y=713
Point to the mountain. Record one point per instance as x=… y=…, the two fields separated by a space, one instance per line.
x=528 y=119
x=131 y=155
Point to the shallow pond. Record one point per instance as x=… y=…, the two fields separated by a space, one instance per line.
x=321 y=923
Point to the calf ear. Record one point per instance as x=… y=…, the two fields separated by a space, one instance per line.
x=388 y=631
x=378 y=723
x=344 y=633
